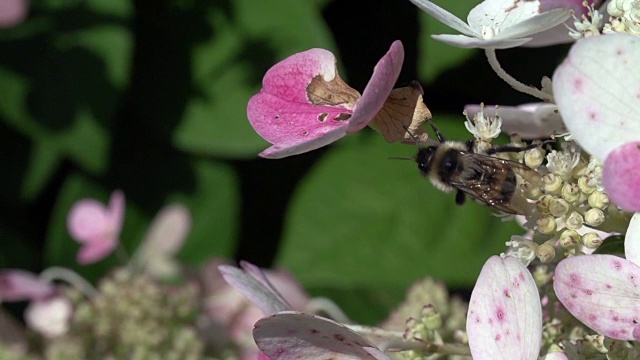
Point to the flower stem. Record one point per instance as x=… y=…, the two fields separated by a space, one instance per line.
x=531 y=90
x=69 y=276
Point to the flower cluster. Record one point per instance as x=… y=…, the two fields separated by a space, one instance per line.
x=562 y=289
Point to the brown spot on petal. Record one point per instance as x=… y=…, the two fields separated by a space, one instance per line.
x=338 y=337
x=305 y=133
x=342 y=117
x=332 y=93
x=322 y=117
x=402 y=115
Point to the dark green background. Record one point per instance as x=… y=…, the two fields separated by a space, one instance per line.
x=149 y=96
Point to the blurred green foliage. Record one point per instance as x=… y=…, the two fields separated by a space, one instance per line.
x=149 y=96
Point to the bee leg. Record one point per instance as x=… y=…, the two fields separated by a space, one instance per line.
x=439 y=134
x=510 y=148
x=460 y=197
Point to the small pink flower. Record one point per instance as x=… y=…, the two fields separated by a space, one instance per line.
x=304 y=104
x=13 y=12
x=20 y=285
x=505 y=315
x=96 y=227
x=600 y=104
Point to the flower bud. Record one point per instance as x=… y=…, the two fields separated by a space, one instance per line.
x=543 y=203
x=531 y=192
x=571 y=192
x=574 y=221
x=598 y=200
x=583 y=184
x=534 y=157
x=545 y=253
x=569 y=239
x=558 y=207
x=431 y=318
x=546 y=224
x=594 y=217
x=552 y=183
x=591 y=240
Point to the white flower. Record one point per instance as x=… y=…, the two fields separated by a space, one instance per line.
x=485 y=128
x=497 y=24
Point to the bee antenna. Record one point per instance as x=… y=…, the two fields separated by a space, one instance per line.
x=413 y=136
x=401 y=158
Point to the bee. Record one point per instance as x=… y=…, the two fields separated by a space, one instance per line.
x=496 y=182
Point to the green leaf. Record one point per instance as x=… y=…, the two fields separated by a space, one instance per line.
x=361 y=220
x=613 y=245
x=435 y=56
x=228 y=69
x=65 y=98
x=214 y=207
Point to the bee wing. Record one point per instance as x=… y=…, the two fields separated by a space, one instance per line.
x=493 y=180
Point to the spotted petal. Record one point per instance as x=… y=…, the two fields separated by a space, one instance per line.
x=597 y=89
x=292 y=335
x=606 y=300
x=632 y=240
x=621 y=176
x=505 y=316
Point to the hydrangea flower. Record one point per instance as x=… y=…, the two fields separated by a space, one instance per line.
x=505 y=315
x=96 y=227
x=606 y=300
x=13 y=12
x=499 y=24
x=304 y=104
x=529 y=121
x=596 y=89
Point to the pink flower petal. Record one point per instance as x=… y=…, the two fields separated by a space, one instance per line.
x=96 y=227
x=598 y=92
x=292 y=335
x=632 y=240
x=558 y=34
x=13 y=12
x=505 y=315
x=606 y=300
x=255 y=286
x=284 y=114
x=621 y=176
x=385 y=75
x=20 y=285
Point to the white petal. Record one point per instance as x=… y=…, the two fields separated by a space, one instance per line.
x=445 y=17
x=536 y=24
x=529 y=121
x=505 y=315
x=632 y=240
x=255 y=286
x=597 y=89
x=293 y=335
x=474 y=42
x=501 y=14
x=607 y=300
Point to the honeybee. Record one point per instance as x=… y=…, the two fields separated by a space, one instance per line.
x=452 y=165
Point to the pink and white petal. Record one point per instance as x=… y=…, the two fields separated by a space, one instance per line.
x=116 y=210
x=292 y=335
x=444 y=17
x=558 y=34
x=505 y=316
x=88 y=220
x=385 y=75
x=529 y=121
x=295 y=145
x=536 y=25
x=377 y=353
x=13 y=12
x=467 y=42
x=254 y=285
x=621 y=176
x=632 y=240
x=597 y=89
x=500 y=14
x=20 y=285
x=606 y=300
x=95 y=250
x=168 y=231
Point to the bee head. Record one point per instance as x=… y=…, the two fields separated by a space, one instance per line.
x=424 y=158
